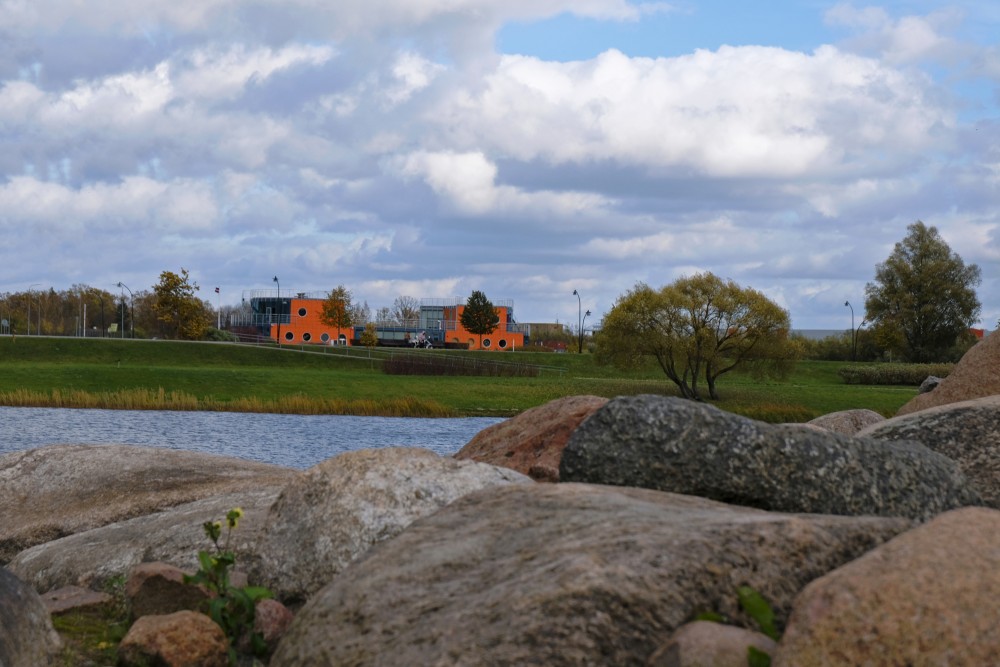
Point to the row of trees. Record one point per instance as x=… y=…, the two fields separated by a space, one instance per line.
x=920 y=308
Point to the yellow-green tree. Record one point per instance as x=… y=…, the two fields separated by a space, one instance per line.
x=336 y=311
x=697 y=328
x=179 y=313
x=369 y=337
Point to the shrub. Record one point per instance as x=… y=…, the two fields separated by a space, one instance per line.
x=892 y=374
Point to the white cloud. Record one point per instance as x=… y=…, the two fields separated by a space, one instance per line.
x=412 y=73
x=182 y=205
x=225 y=72
x=739 y=111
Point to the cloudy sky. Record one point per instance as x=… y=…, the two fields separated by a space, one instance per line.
x=526 y=148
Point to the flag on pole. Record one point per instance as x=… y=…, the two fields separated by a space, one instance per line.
x=216 y=290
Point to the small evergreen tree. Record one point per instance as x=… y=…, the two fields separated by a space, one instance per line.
x=479 y=316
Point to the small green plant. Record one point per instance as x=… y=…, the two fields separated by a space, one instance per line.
x=231 y=607
x=759 y=610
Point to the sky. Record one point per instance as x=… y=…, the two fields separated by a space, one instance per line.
x=527 y=149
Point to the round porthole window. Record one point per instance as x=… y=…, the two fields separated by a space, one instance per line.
x=302 y=312
x=486 y=343
x=289 y=335
x=325 y=338
x=307 y=337
x=502 y=343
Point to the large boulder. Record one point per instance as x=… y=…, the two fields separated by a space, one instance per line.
x=685 y=447
x=563 y=574
x=27 y=638
x=92 y=557
x=977 y=374
x=532 y=442
x=54 y=491
x=967 y=432
x=927 y=597
x=338 y=509
x=847 y=422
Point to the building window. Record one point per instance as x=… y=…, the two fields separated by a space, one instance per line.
x=302 y=312
x=325 y=337
x=289 y=335
x=502 y=343
x=486 y=343
x=306 y=337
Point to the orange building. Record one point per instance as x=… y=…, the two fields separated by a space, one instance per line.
x=297 y=320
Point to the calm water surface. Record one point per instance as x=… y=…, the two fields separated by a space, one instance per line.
x=290 y=440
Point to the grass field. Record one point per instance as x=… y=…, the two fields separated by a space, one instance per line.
x=114 y=373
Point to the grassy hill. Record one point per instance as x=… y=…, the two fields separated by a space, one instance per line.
x=141 y=374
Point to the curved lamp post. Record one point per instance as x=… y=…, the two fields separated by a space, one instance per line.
x=582 y=329
x=279 y=309
x=579 y=321
x=131 y=298
x=854 y=336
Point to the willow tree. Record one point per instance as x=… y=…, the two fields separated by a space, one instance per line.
x=700 y=327
x=337 y=310
x=923 y=299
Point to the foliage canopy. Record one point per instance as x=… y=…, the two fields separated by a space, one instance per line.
x=923 y=298
x=697 y=327
x=179 y=312
x=337 y=309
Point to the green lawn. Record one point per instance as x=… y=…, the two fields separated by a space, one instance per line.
x=220 y=375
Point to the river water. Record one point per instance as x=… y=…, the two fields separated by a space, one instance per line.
x=290 y=440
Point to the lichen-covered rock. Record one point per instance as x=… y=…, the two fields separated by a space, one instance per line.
x=338 y=509
x=563 y=574
x=158 y=589
x=847 y=422
x=967 y=432
x=977 y=374
x=181 y=639
x=54 y=491
x=927 y=597
x=685 y=447
x=27 y=638
x=532 y=442
x=175 y=535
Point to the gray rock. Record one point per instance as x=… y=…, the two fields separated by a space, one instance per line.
x=338 y=509
x=930 y=383
x=563 y=574
x=51 y=492
x=680 y=446
x=847 y=422
x=967 y=432
x=27 y=638
x=174 y=536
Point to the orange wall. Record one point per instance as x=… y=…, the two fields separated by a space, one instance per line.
x=306 y=327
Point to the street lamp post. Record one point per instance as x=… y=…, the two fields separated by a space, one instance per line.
x=279 y=309
x=579 y=321
x=131 y=298
x=854 y=339
x=583 y=328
